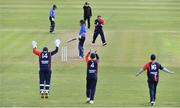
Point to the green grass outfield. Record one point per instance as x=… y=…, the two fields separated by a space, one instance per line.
x=134 y=29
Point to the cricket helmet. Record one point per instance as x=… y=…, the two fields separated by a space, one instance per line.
x=153 y=57
x=45 y=49
x=82 y=22
x=93 y=55
x=54 y=6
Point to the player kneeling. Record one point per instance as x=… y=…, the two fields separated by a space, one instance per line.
x=92 y=70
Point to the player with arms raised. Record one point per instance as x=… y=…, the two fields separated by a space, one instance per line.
x=45 y=67
x=92 y=70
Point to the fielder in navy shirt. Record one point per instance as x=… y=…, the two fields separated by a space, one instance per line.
x=153 y=68
x=99 y=23
x=92 y=60
x=45 y=67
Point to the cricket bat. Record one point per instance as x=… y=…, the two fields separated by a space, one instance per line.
x=70 y=40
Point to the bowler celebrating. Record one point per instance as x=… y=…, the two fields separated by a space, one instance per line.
x=45 y=67
x=52 y=18
x=92 y=70
x=153 y=68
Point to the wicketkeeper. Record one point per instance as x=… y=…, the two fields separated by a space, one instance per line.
x=92 y=60
x=45 y=67
x=153 y=68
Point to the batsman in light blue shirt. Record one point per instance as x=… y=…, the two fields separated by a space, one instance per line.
x=52 y=18
x=82 y=37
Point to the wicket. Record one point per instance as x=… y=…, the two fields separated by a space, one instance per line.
x=64 y=54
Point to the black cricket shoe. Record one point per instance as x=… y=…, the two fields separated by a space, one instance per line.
x=51 y=32
x=46 y=95
x=87 y=102
x=42 y=95
x=104 y=44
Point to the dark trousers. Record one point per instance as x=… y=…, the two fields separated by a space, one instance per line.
x=80 y=46
x=88 y=20
x=98 y=31
x=152 y=90
x=52 y=24
x=91 y=87
x=44 y=79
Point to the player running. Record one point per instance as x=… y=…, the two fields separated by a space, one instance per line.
x=99 y=23
x=153 y=68
x=52 y=18
x=45 y=67
x=92 y=70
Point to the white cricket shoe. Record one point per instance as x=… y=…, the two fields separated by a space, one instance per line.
x=152 y=103
x=87 y=100
x=91 y=102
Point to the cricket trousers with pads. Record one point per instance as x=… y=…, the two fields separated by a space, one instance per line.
x=91 y=87
x=52 y=24
x=152 y=90
x=81 y=46
x=98 y=31
x=44 y=80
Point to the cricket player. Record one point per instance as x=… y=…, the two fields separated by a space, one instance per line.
x=153 y=68
x=52 y=18
x=87 y=13
x=92 y=70
x=45 y=67
x=99 y=23
x=82 y=37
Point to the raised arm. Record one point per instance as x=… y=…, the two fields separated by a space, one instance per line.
x=97 y=56
x=87 y=57
x=57 y=44
x=35 y=51
x=54 y=51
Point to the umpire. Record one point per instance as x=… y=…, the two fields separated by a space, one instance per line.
x=92 y=70
x=45 y=67
x=52 y=18
x=87 y=13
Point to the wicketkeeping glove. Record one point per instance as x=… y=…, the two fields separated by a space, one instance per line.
x=57 y=42
x=34 y=44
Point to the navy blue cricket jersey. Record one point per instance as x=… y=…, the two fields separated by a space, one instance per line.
x=92 y=69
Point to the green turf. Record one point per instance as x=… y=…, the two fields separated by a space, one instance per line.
x=134 y=29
